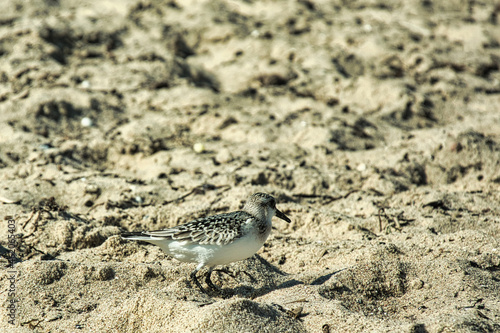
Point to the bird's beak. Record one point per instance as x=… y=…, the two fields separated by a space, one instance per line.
x=282 y=216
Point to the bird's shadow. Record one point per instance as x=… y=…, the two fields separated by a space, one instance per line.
x=262 y=268
x=268 y=269
x=322 y=279
x=255 y=269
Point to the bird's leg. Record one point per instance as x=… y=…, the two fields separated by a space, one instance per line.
x=195 y=280
x=226 y=271
x=209 y=281
x=220 y=292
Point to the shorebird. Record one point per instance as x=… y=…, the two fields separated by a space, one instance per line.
x=218 y=239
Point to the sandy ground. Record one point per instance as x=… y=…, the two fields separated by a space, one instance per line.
x=375 y=124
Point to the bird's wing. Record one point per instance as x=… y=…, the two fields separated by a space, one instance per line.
x=219 y=229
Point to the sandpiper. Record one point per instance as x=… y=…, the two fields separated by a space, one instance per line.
x=218 y=239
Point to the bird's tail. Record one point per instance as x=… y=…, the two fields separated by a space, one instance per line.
x=140 y=236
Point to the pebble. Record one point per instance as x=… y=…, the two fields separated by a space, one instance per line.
x=416 y=284
x=199 y=147
x=92 y=189
x=87 y=122
x=85 y=84
x=361 y=167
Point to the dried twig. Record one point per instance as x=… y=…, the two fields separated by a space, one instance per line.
x=327 y=198
x=196 y=190
x=380 y=211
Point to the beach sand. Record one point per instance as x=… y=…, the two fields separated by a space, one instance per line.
x=375 y=124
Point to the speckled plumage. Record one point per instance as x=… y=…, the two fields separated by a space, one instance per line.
x=219 y=229
x=218 y=239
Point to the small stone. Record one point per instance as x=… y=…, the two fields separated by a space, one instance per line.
x=85 y=84
x=87 y=122
x=361 y=167
x=92 y=189
x=199 y=147
x=416 y=284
